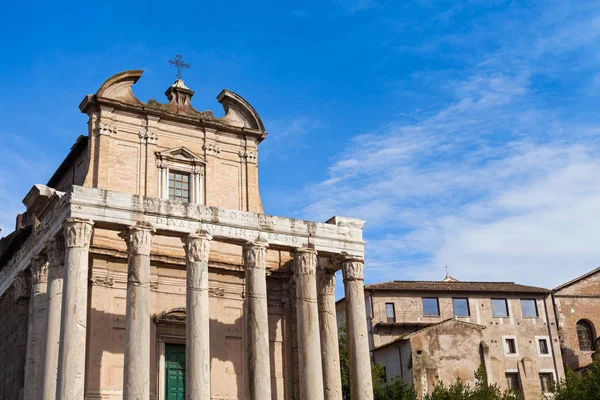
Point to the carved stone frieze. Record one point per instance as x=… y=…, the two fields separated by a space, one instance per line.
x=139 y=238
x=249 y=155
x=39 y=270
x=21 y=287
x=216 y=292
x=353 y=270
x=78 y=232
x=197 y=246
x=55 y=250
x=255 y=254
x=305 y=261
x=105 y=128
x=212 y=148
x=151 y=137
x=102 y=281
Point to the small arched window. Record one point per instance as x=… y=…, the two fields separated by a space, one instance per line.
x=585 y=335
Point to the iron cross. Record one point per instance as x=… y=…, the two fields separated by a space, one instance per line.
x=179 y=63
x=446 y=269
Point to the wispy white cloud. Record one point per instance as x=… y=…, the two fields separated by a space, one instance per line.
x=501 y=183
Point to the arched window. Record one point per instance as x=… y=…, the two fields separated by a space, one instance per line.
x=585 y=335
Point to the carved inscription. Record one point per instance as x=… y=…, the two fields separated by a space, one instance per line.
x=227 y=231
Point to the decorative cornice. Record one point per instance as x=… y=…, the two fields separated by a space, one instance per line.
x=212 y=148
x=353 y=269
x=197 y=246
x=139 y=238
x=150 y=137
x=249 y=155
x=78 y=232
x=55 y=250
x=305 y=261
x=107 y=129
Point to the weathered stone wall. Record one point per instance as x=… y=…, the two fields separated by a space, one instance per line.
x=579 y=301
x=13 y=345
x=526 y=330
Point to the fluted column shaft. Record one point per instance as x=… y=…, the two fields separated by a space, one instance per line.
x=35 y=331
x=197 y=373
x=56 y=256
x=309 y=345
x=361 y=385
x=258 y=367
x=136 y=378
x=330 y=351
x=73 y=325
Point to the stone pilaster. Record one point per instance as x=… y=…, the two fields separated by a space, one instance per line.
x=197 y=379
x=309 y=345
x=258 y=367
x=136 y=378
x=73 y=325
x=359 y=359
x=55 y=250
x=330 y=352
x=35 y=331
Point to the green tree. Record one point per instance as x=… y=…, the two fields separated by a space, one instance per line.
x=461 y=391
x=580 y=386
x=393 y=389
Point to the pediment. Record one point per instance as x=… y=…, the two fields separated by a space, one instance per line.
x=182 y=154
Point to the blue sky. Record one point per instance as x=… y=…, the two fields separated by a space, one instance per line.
x=464 y=132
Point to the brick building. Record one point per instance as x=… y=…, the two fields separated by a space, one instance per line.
x=146 y=268
x=425 y=331
x=577 y=305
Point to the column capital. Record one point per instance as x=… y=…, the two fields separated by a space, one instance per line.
x=39 y=270
x=78 y=232
x=305 y=261
x=353 y=269
x=325 y=281
x=197 y=245
x=139 y=238
x=255 y=253
x=55 y=250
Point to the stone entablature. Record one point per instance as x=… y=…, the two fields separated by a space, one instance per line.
x=337 y=236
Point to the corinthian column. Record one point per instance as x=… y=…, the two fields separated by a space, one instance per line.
x=258 y=376
x=197 y=371
x=309 y=345
x=361 y=386
x=330 y=351
x=35 y=331
x=56 y=256
x=71 y=358
x=136 y=379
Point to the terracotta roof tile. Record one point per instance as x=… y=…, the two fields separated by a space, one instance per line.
x=441 y=286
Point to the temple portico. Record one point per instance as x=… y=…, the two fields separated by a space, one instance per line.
x=316 y=251
x=151 y=271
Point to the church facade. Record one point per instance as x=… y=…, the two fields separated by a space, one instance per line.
x=146 y=268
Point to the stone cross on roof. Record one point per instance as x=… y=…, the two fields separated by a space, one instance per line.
x=179 y=63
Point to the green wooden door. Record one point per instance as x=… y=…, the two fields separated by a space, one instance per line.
x=174 y=371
